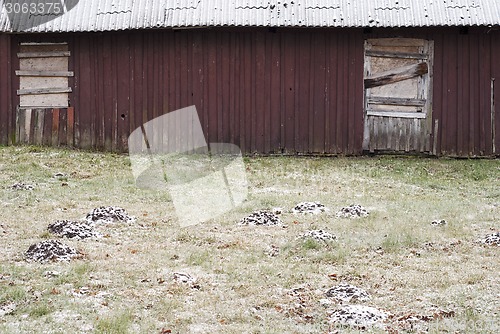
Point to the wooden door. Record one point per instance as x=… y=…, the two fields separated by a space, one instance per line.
x=398 y=87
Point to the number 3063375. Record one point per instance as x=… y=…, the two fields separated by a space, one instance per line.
x=34 y=8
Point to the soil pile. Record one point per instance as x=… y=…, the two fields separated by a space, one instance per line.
x=50 y=250
x=358 y=316
x=352 y=211
x=70 y=229
x=108 y=214
x=261 y=217
x=21 y=186
x=347 y=293
x=319 y=235
x=309 y=207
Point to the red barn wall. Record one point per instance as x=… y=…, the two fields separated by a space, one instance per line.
x=290 y=91
x=6 y=110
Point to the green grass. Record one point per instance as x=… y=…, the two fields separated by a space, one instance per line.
x=406 y=264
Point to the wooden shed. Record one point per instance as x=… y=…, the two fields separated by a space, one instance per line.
x=287 y=77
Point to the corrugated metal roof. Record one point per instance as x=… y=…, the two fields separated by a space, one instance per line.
x=106 y=15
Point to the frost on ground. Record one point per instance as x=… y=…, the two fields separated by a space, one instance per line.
x=358 y=316
x=309 y=207
x=352 y=211
x=108 y=214
x=347 y=293
x=50 y=250
x=491 y=239
x=71 y=229
x=22 y=186
x=261 y=217
x=319 y=235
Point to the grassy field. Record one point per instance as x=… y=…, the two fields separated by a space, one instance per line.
x=253 y=279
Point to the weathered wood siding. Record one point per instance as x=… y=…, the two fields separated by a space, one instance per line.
x=292 y=91
x=39 y=126
x=5 y=90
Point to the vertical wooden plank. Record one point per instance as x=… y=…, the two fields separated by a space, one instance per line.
x=359 y=91
x=38 y=127
x=474 y=97
x=319 y=94
x=20 y=126
x=55 y=127
x=261 y=97
x=5 y=89
x=70 y=126
x=212 y=89
x=47 y=127
x=63 y=127
x=484 y=98
x=30 y=122
x=463 y=96
x=302 y=122
x=351 y=95
x=276 y=139
x=342 y=91
x=289 y=72
x=137 y=119
x=333 y=98
x=266 y=86
x=437 y=92
x=123 y=93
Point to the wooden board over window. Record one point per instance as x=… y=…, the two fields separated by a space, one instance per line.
x=43 y=75
x=398 y=86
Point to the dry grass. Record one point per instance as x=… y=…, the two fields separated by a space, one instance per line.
x=124 y=282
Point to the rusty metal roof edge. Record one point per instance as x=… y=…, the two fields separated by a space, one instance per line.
x=121 y=15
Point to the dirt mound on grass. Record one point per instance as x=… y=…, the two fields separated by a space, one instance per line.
x=50 y=250
x=358 y=316
x=108 y=214
x=70 y=229
x=309 y=207
x=352 y=211
x=318 y=235
x=261 y=217
x=21 y=186
x=491 y=239
x=347 y=293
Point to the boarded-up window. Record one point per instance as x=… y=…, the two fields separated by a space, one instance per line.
x=43 y=75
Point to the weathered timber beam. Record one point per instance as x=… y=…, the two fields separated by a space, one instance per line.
x=37 y=91
x=396 y=75
x=45 y=73
x=398 y=101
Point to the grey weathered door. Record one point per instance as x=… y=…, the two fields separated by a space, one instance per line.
x=398 y=87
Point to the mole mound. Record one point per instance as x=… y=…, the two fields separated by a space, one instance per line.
x=50 y=250
x=347 y=293
x=352 y=211
x=319 y=235
x=358 y=316
x=108 y=214
x=71 y=229
x=261 y=217
x=309 y=207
